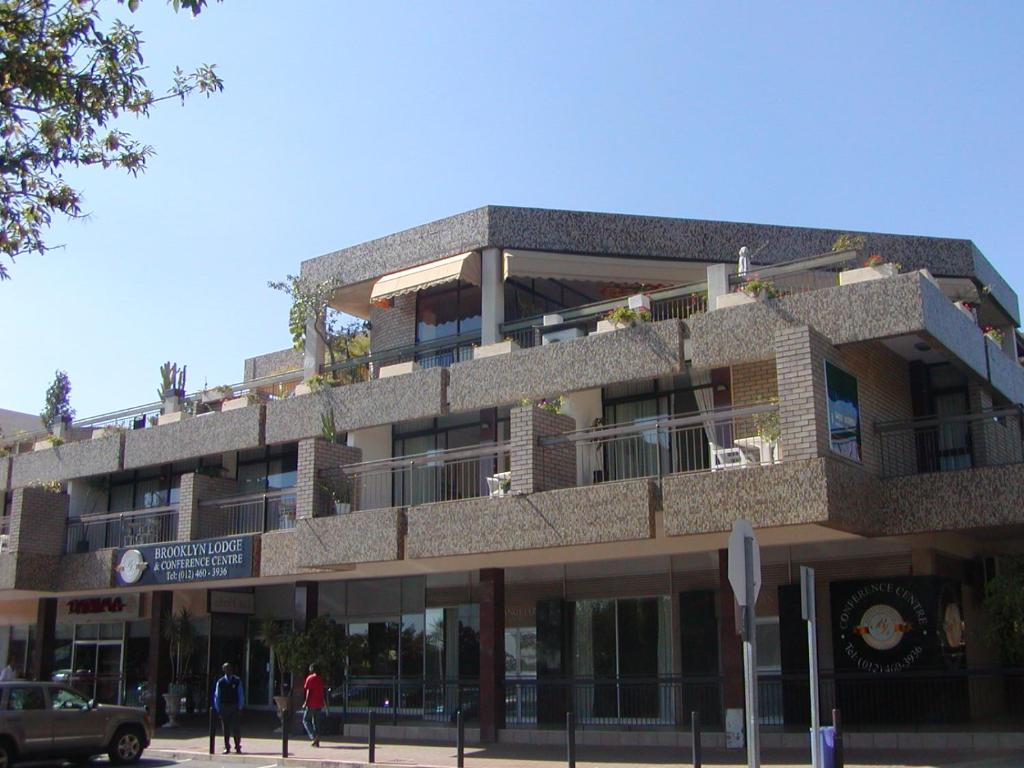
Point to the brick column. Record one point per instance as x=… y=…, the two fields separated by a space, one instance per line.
x=158 y=664
x=196 y=488
x=729 y=642
x=536 y=467
x=46 y=630
x=38 y=521
x=316 y=454
x=800 y=354
x=492 y=653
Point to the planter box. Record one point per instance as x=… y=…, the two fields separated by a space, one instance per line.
x=640 y=301
x=99 y=434
x=397 y=369
x=733 y=300
x=498 y=348
x=966 y=310
x=41 y=445
x=604 y=326
x=863 y=274
x=234 y=404
x=302 y=389
x=169 y=418
x=553 y=319
x=342 y=507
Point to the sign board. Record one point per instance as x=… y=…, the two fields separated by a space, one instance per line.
x=223 y=601
x=94 y=610
x=229 y=557
x=741 y=530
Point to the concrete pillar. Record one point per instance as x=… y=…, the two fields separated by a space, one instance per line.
x=158 y=664
x=307 y=603
x=313 y=350
x=718 y=283
x=729 y=642
x=46 y=629
x=492 y=295
x=492 y=653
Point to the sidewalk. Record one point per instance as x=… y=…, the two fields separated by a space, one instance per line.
x=349 y=753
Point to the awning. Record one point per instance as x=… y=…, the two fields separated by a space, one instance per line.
x=465 y=266
x=602 y=269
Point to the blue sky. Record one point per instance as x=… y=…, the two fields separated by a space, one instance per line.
x=341 y=122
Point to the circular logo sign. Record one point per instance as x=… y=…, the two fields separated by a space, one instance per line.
x=132 y=566
x=881 y=627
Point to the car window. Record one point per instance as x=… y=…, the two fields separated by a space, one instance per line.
x=65 y=698
x=27 y=697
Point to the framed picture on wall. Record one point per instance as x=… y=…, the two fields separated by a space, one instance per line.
x=843 y=412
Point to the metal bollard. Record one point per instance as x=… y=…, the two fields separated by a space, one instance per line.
x=460 y=736
x=838 y=756
x=373 y=737
x=213 y=731
x=286 y=725
x=695 y=737
x=570 y=739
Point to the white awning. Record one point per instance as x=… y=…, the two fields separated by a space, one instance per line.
x=465 y=266
x=601 y=269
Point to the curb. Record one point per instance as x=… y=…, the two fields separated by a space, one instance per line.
x=270 y=760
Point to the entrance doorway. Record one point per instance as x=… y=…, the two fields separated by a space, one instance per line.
x=97 y=661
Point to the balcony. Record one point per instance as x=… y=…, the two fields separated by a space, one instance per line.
x=943 y=444
x=426 y=478
x=124 y=529
x=255 y=513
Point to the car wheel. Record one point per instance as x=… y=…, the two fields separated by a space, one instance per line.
x=126 y=746
x=6 y=754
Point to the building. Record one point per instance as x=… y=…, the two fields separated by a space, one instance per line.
x=526 y=507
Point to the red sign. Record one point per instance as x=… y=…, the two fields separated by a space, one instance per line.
x=87 y=605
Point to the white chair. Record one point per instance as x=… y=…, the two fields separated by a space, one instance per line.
x=728 y=458
x=494 y=483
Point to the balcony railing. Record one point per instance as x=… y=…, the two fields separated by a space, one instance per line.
x=254 y=513
x=437 y=353
x=446 y=475
x=801 y=275
x=5 y=534
x=664 y=445
x=678 y=303
x=124 y=529
x=943 y=443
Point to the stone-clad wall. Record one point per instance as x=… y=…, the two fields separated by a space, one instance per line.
x=88 y=570
x=394 y=326
x=1006 y=375
x=594 y=514
x=272 y=363
x=38 y=521
x=195 y=489
x=5 y=472
x=196 y=436
x=70 y=460
x=368 y=404
x=644 y=351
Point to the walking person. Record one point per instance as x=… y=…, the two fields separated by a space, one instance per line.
x=314 y=705
x=8 y=672
x=227 y=702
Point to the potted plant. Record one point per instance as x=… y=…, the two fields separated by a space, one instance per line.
x=278 y=639
x=760 y=288
x=172 y=386
x=180 y=636
x=873 y=268
x=769 y=431
x=57 y=412
x=340 y=495
x=994 y=334
x=622 y=317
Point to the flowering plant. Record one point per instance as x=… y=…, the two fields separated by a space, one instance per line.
x=627 y=316
x=759 y=286
x=994 y=333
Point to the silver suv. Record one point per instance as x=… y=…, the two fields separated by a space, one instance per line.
x=52 y=720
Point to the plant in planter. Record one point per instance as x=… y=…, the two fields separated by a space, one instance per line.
x=549 y=404
x=172 y=381
x=340 y=495
x=995 y=334
x=760 y=288
x=873 y=268
x=622 y=317
x=328 y=428
x=849 y=242
x=180 y=636
x=57 y=412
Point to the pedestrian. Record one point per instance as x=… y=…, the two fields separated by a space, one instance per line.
x=228 y=702
x=314 y=705
x=8 y=672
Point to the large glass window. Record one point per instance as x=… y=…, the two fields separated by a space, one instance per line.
x=447 y=311
x=267 y=469
x=843 y=412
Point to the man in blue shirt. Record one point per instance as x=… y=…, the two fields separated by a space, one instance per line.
x=227 y=702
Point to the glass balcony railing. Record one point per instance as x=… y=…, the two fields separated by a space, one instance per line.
x=255 y=513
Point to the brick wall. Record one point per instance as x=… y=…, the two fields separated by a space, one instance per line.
x=194 y=522
x=394 y=326
x=536 y=467
x=38 y=521
x=752 y=383
x=799 y=351
x=315 y=455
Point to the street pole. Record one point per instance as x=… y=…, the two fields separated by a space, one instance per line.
x=807 y=607
x=750 y=661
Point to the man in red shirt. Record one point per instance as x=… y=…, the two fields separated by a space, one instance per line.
x=314 y=705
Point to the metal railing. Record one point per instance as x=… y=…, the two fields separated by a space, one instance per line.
x=253 y=513
x=801 y=275
x=406 y=698
x=425 y=478
x=437 y=353
x=677 y=303
x=717 y=440
x=123 y=529
x=944 y=443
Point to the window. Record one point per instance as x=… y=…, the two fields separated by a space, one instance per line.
x=769 y=648
x=268 y=469
x=448 y=311
x=65 y=698
x=27 y=698
x=843 y=412
x=521 y=652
